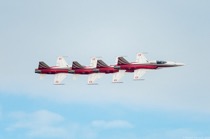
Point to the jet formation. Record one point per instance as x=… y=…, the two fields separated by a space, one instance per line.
x=98 y=68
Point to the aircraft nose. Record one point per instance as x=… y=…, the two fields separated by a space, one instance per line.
x=180 y=64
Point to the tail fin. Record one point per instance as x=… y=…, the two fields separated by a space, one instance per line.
x=93 y=62
x=140 y=58
x=76 y=65
x=61 y=62
x=101 y=64
x=43 y=65
x=121 y=61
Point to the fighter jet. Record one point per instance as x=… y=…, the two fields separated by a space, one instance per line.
x=60 y=70
x=105 y=69
x=140 y=66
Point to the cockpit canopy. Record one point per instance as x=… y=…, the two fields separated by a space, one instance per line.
x=161 y=62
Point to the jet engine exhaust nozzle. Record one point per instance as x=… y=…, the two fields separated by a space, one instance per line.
x=38 y=71
x=71 y=71
x=117 y=67
x=95 y=70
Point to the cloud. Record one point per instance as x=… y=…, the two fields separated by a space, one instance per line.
x=41 y=123
x=41 y=117
x=111 y=124
x=46 y=124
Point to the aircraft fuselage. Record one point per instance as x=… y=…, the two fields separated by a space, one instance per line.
x=51 y=70
x=83 y=71
x=108 y=70
x=131 y=67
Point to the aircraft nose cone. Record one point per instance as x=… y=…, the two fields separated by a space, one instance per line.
x=180 y=64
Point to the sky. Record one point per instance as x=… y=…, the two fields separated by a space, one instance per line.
x=170 y=103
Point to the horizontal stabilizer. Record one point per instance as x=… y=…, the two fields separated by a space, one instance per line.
x=43 y=65
x=122 y=61
x=76 y=65
x=101 y=64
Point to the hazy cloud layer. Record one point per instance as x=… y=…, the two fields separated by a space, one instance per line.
x=38 y=124
x=111 y=124
x=1 y=113
x=46 y=124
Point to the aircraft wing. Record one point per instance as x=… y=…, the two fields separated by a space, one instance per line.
x=140 y=58
x=138 y=74
x=75 y=76
x=117 y=76
x=42 y=76
x=59 y=78
x=61 y=62
x=93 y=77
x=93 y=62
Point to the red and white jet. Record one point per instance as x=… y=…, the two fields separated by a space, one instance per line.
x=60 y=70
x=92 y=72
x=105 y=69
x=140 y=66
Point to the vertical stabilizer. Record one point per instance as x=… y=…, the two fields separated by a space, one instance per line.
x=121 y=61
x=43 y=65
x=101 y=64
x=76 y=65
